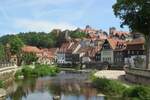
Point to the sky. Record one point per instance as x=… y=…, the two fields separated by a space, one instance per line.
x=44 y=15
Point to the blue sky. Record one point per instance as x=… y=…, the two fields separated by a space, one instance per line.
x=44 y=15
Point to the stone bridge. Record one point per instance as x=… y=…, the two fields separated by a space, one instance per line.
x=7 y=71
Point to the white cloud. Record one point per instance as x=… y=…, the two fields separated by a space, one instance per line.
x=34 y=25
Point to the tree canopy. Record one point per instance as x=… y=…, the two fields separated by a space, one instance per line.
x=15 y=45
x=28 y=58
x=136 y=15
x=2 y=52
x=42 y=39
x=77 y=34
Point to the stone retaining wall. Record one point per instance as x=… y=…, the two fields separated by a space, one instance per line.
x=139 y=76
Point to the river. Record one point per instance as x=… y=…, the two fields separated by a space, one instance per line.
x=64 y=86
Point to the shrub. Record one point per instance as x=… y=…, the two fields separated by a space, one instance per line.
x=137 y=92
x=18 y=73
x=39 y=70
x=112 y=87
x=1 y=84
x=27 y=71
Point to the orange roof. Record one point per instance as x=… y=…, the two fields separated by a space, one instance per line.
x=120 y=33
x=114 y=43
x=90 y=51
x=30 y=49
x=48 y=53
x=136 y=41
x=93 y=51
x=73 y=46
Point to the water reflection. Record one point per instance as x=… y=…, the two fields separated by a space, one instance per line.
x=48 y=88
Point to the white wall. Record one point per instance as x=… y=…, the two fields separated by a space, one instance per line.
x=107 y=54
x=61 y=59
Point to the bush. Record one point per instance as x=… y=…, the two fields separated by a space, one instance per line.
x=112 y=87
x=18 y=73
x=27 y=71
x=115 y=88
x=43 y=70
x=39 y=70
x=137 y=92
x=1 y=84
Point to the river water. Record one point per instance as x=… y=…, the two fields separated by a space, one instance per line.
x=65 y=86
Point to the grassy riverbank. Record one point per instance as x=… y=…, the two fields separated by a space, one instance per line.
x=118 y=89
x=38 y=71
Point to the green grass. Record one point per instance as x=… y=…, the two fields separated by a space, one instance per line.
x=38 y=71
x=116 y=88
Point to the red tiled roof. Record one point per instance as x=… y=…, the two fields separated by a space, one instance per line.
x=136 y=41
x=136 y=44
x=74 y=46
x=65 y=47
x=48 y=53
x=115 y=44
x=90 y=51
x=93 y=51
x=30 y=49
x=120 y=33
x=69 y=47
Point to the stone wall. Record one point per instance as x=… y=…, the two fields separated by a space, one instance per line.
x=7 y=72
x=139 y=76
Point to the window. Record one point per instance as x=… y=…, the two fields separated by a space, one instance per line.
x=133 y=52
x=128 y=52
x=137 y=52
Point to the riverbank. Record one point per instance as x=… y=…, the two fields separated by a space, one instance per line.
x=110 y=82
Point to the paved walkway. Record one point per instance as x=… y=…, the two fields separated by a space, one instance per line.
x=110 y=74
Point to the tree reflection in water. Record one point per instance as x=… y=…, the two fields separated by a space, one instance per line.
x=57 y=89
x=24 y=87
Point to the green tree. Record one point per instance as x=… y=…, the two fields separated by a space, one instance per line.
x=2 y=52
x=16 y=45
x=77 y=34
x=29 y=58
x=136 y=15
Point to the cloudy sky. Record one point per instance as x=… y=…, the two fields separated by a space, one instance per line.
x=44 y=15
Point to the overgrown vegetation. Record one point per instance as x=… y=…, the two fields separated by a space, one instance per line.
x=110 y=87
x=137 y=93
x=76 y=34
x=29 y=58
x=116 y=88
x=1 y=84
x=38 y=71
